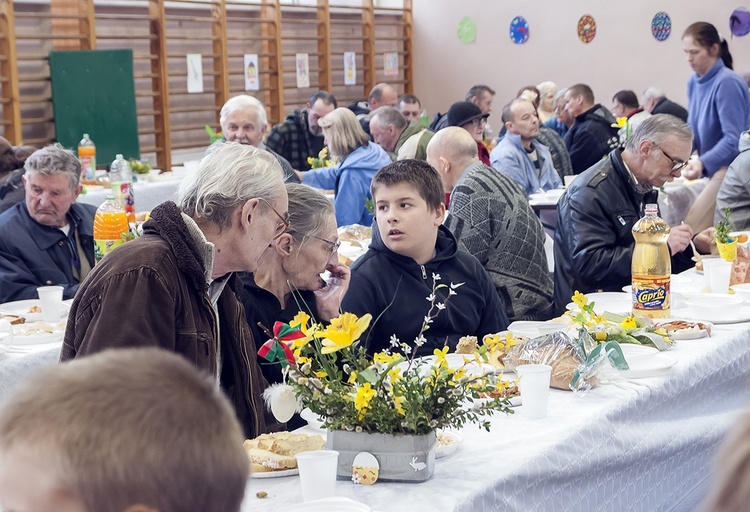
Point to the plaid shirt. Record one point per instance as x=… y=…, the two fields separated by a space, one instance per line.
x=292 y=140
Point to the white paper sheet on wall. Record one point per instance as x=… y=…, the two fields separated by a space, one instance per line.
x=350 y=68
x=252 y=83
x=194 y=73
x=303 y=70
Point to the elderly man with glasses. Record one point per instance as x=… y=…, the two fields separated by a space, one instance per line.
x=175 y=286
x=46 y=239
x=593 y=242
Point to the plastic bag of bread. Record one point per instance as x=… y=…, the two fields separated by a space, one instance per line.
x=740 y=272
x=576 y=364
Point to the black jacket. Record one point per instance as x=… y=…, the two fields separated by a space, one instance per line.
x=594 y=241
x=591 y=137
x=394 y=289
x=669 y=107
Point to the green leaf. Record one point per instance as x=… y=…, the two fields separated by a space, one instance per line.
x=369 y=376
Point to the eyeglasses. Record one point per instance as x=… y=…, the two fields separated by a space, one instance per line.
x=333 y=245
x=677 y=165
x=283 y=225
x=478 y=122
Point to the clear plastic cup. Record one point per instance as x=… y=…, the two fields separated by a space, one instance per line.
x=51 y=298
x=317 y=473
x=534 y=388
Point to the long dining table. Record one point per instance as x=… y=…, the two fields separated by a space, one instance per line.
x=642 y=444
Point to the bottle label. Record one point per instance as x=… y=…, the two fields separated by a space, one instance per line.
x=88 y=164
x=123 y=192
x=650 y=293
x=104 y=247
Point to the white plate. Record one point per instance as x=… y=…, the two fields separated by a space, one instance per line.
x=614 y=302
x=647 y=366
x=35 y=339
x=275 y=474
x=690 y=334
x=21 y=308
x=739 y=314
x=633 y=350
x=448 y=449
x=337 y=504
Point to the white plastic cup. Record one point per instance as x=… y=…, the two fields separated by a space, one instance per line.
x=51 y=298
x=317 y=473
x=534 y=388
x=718 y=273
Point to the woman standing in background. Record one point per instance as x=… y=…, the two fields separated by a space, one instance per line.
x=718 y=111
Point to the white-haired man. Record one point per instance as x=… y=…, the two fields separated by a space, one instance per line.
x=400 y=138
x=175 y=288
x=243 y=119
x=46 y=239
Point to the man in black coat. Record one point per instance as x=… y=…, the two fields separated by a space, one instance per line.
x=656 y=102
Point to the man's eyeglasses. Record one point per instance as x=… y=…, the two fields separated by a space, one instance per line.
x=677 y=165
x=282 y=226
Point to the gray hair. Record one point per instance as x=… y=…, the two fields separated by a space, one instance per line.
x=390 y=116
x=227 y=177
x=657 y=128
x=309 y=211
x=55 y=159
x=560 y=94
x=653 y=92
x=242 y=102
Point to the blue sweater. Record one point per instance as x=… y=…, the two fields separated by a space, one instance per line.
x=351 y=182
x=510 y=158
x=718 y=111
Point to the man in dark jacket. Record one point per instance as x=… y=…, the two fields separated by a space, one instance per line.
x=656 y=102
x=594 y=131
x=594 y=241
x=174 y=287
x=299 y=136
x=46 y=239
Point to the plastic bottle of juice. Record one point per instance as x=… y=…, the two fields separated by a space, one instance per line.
x=110 y=223
x=651 y=266
x=87 y=156
x=121 y=178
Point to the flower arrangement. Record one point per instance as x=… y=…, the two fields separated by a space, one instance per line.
x=723 y=227
x=612 y=327
x=390 y=392
x=321 y=160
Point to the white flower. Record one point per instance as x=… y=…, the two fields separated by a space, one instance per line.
x=441 y=400
x=433 y=423
x=427 y=319
x=394 y=341
x=435 y=277
x=440 y=305
x=421 y=340
x=430 y=297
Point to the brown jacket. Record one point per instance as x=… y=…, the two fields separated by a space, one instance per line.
x=152 y=292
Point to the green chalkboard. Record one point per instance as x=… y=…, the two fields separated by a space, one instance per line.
x=93 y=92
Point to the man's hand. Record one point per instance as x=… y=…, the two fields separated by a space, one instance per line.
x=328 y=299
x=705 y=241
x=679 y=238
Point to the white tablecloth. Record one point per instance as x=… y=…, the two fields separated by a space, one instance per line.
x=17 y=366
x=147 y=194
x=646 y=447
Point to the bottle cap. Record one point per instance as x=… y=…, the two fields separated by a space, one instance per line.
x=651 y=208
x=118 y=156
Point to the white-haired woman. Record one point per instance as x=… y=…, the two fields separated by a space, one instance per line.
x=358 y=161
x=287 y=279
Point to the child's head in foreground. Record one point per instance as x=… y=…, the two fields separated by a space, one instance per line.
x=409 y=207
x=137 y=430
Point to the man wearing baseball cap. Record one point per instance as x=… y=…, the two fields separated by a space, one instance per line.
x=470 y=117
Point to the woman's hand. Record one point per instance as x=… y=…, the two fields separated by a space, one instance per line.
x=328 y=299
x=693 y=170
x=705 y=241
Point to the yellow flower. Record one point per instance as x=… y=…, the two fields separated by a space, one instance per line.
x=440 y=356
x=580 y=299
x=601 y=335
x=510 y=340
x=621 y=121
x=343 y=331
x=322 y=374
x=352 y=377
x=629 y=323
x=399 y=402
x=301 y=360
x=385 y=359
x=362 y=398
x=300 y=320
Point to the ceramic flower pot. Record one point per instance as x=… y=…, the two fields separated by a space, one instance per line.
x=402 y=458
x=728 y=250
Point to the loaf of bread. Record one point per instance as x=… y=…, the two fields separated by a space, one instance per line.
x=555 y=351
x=276 y=451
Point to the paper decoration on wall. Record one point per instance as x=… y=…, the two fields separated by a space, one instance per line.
x=350 y=68
x=519 y=30
x=365 y=469
x=252 y=82
x=194 y=73
x=586 y=28
x=390 y=63
x=661 y=26
x=467 y=30
x=739 y=22
x=303 y=70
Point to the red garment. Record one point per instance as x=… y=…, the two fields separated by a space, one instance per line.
x=484 y=153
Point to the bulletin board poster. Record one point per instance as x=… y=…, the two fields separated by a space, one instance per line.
x=303 y=70
x=194 y=73
x=390 y=63
x=252 y=82
x=350 y=68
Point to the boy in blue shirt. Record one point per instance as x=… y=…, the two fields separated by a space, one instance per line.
x=411 y=254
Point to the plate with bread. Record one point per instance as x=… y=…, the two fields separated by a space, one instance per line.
x=685 y=330
x=273 y=455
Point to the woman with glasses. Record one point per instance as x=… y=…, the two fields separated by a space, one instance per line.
x=358 y=159
x=287 y=279
x=718 y=111
x=470 y=117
